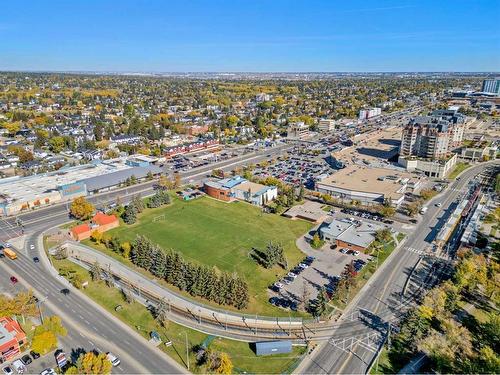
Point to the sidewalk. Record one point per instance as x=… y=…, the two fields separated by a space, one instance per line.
x=197 y=311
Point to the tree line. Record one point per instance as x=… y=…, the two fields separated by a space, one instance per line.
x=445 y=328
x=197 y=280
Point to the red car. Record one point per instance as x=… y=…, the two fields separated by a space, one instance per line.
x=13 y=279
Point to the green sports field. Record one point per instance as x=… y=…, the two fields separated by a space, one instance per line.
x=221 y=234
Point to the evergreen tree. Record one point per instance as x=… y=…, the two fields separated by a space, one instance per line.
x=130 y=214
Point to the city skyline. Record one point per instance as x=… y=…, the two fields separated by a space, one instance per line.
x=250 y=37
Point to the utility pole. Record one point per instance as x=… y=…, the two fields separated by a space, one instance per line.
x=187 y=350
x=388 y=336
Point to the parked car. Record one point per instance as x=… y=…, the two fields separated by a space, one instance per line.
x=26 y=359
x=7 y=370
x=278 y=285
x=292 y=275
x=355 y=253
x=303 y=265
x=34 y=355
x=61 y=359
x=344 y=250
x=19 y=366
x=274 y=301
x=13 y=279
x=285 y=303
x=48 y=371
x=32 y=247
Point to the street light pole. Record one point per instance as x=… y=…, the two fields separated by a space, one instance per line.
x=39 y=302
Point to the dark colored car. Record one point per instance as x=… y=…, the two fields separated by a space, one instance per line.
x=274 y=301
x=65 y=291
x=285 y=303
x=26 y=359
x=274 y=288
x=35 y=355
x=13 y=279
x=36 y=259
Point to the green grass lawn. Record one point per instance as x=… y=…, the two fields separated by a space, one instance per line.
x=459 y=168
x=139 y=318
x=222 y=234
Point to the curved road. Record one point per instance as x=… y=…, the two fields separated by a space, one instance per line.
x=95 y=327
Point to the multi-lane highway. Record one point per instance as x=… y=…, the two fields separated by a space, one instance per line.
x=355 y=341
x=89 y=326
x=58 y=213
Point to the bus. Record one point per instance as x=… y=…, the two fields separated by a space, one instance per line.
x=9 y=253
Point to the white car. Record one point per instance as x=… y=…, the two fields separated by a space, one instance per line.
x=115 y=361
x=303 y=265
x=355 y=253
x=32 y=247
x=278 y=285
x=48 y=371
x=292 y=275
x=19 y=366
x=439 y=204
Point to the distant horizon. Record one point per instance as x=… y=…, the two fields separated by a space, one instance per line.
x=247 y=72
x=299 y=36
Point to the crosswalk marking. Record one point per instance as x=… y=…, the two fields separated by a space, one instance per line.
x=415 y=250
x=423 y=252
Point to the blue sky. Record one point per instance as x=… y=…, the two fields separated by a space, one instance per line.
x=250 y=35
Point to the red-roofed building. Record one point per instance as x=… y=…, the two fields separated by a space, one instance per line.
x=12 y=338
x=100 y=222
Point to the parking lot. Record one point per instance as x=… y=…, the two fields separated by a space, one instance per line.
x=324 y=268
x=301 y=166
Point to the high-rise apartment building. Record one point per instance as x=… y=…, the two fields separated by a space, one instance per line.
x=365 y=114
x=325 y=125
x=433 y=137
x=491 y=86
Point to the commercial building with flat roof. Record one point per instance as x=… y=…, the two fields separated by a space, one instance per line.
x=368 y=185
x=352 y=235
x=19 y=194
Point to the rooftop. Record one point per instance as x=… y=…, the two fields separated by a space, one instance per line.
x=361 y=234
x=250 y=186
x=387 y=182
x=309 y=210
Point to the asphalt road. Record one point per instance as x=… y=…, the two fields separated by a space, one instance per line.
x=53 y=215
x=351 y=348
x=89 y=326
